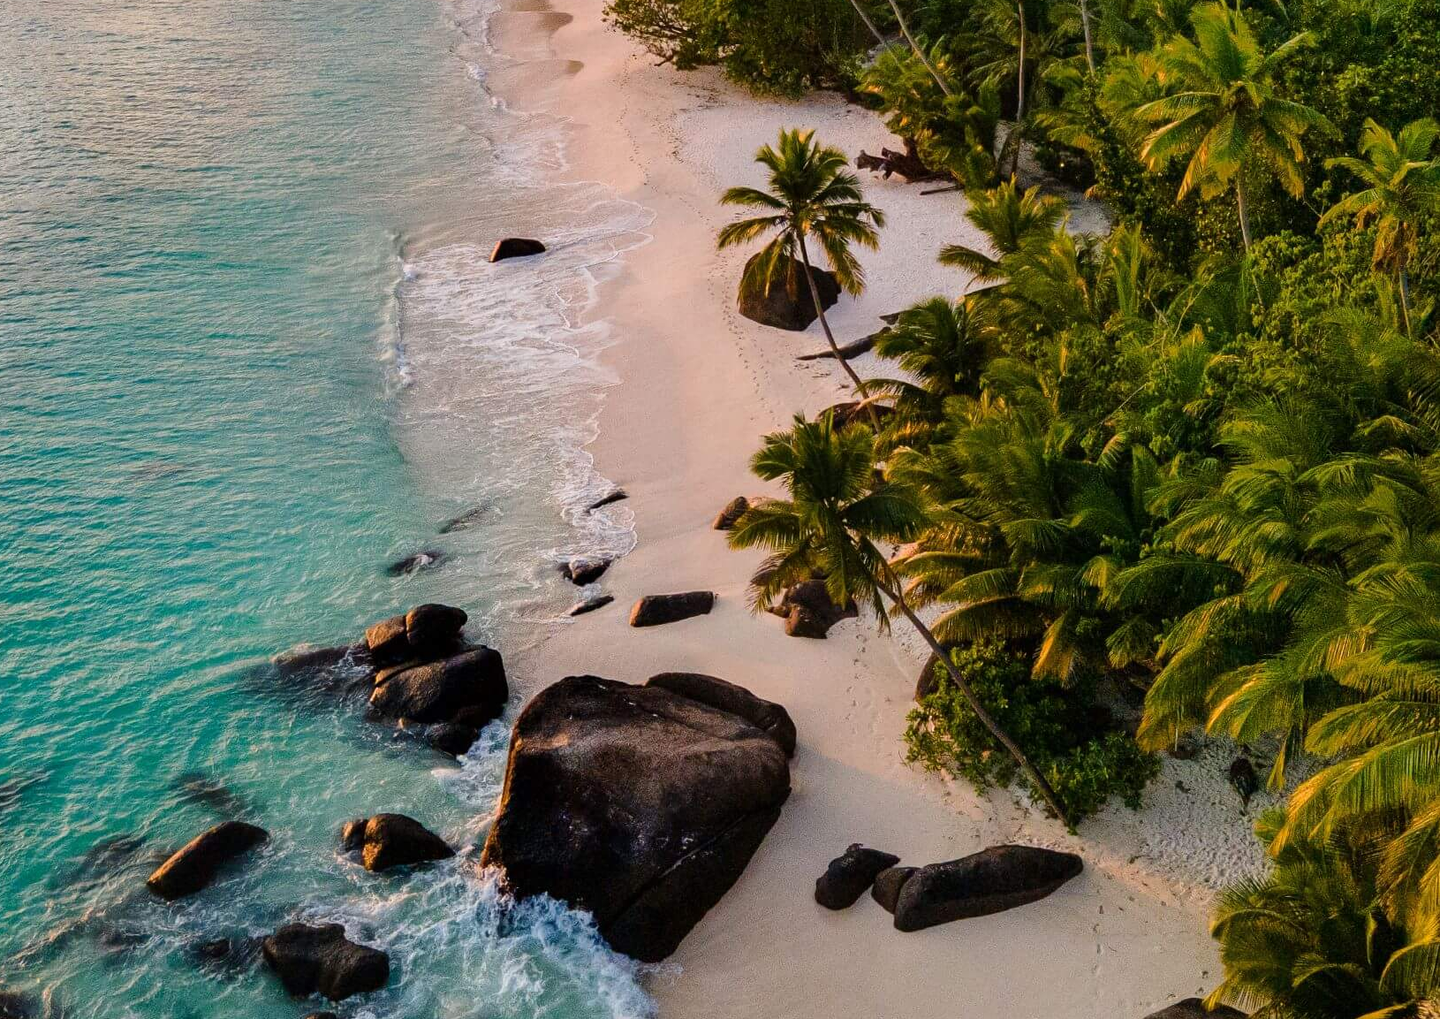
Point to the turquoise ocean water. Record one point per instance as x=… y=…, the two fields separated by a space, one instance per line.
x=250 y=352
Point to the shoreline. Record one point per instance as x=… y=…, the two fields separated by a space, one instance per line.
x=698 y=387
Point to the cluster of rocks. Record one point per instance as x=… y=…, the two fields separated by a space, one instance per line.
x=809 y=611
x=990 y=881
x=640 y=804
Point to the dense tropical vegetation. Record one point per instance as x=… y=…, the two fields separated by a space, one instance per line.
x=1193 y=465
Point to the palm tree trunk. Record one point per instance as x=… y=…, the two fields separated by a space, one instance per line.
x=1089 y=45
x=924 y=59
x=1405 y=300
x=868 y=23
x=1019 y=95
x=830 y=337
x=894 y=591
x=1244 y=211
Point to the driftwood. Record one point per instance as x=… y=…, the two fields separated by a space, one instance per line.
x=907 y=164
x=847 y=351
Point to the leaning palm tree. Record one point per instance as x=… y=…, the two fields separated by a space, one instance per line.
x=1402 y=187
x=811 y=194
x=1225 y=113
x=830 y=524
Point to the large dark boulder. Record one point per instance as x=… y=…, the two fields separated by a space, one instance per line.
x=788 y=304
x=808 y=610
x=717 y=693
x=850 y=875
x=310 y=959
x=1194 y=1008
x=990 y=881
x=658 y=609
x=195 y=865
x=469 y=688
x=516 y=247
x=635 y=803
x=393 y=840
x=886 y=889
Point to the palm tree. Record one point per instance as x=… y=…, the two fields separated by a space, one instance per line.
x=830 y=523
x=811 y=194
x=1225 y=113
x=942 y=347
x=1010 y=218
x=1403 y=185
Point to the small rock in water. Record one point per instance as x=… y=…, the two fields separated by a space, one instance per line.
x=415 y=563
x=309 y=959
x=850 y=875
x=450 y=738
x=393 y=840
x=206 y=790
x=516 y=247
x=195 y=866
x=614 y=496
x=584 y=571
x=15 y=1005
x=465 y=520
x=658 y=609
x=599 y=601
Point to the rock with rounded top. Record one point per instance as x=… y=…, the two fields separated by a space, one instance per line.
x=452 y=737
x=766 y=716
x=516 y=247
x=584 y=571
x=809 y=611
x=787 y=303
x=990 y=881
x=635 y=803
x=393 y=840
x=851 y=875
x=1194 y=1008
x=734 y=510
x=310 y=959
x=886 y=889
x=468 y=688
x=196 y=865
x=432 y=629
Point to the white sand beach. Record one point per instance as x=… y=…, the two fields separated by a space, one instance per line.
x=699 y=386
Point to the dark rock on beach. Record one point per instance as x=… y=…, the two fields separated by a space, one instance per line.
x=767 y=716
x=731 y=514
x=584 y=571
x=196 y=865
x=516 y=247
x=635 y=803
x=1243 y=780
x=886 y=889
x=788 y=304
x=468 y=688
x=809 y=612
x=990 y=881
x=614 y=496
x=1194 y=1008
x=310 y=959
x=658 y=609
x=599 y=601
x=850 y=876
x=393 y=840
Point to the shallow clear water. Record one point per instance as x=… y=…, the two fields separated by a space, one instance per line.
x=249 y=354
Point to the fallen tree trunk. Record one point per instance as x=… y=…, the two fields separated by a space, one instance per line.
x=848 y=351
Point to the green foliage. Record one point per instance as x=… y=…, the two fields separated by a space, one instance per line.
x=1059 y=729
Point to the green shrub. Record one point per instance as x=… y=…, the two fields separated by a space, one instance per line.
x=1066 y=735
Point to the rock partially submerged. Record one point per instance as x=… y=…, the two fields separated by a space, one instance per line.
x=424 y=633
x=584 y=571
x=309 y=959
x=466 y=520
x=850 y=876
x=638 y=804
x=1194 y=1008
x=990 y=881
x=598 y=601
x=393 y=840
x=516 y=247
x=451 y=737
x=809 y=612
x=614 y=496
x=788 y=304
x=469 y=688
x=196 y=865
x=659 y=609
x=767 y=716
x=415 y=563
